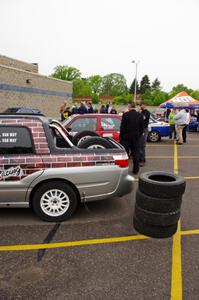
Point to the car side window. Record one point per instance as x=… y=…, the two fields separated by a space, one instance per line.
x=109 y=123
x=15 y=140
x=82 y=124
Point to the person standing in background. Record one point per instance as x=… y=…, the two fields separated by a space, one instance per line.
x=180 y=123
x=131 y=129
x=82 y=109
x=172 y=124
x=184 y=130
x=63 y=107
x=146 y=116
x=90 y=108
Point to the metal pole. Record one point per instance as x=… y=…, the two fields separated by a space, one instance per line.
x=136 y=71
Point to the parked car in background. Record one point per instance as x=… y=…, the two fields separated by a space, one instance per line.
x=22 y=110
x=108 y=125
x=159 y=112
x=194 y=124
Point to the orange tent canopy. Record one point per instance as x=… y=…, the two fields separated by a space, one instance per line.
x=181 y=99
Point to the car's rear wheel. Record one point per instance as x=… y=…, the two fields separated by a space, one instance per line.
x=54 y=201
x=154 y=136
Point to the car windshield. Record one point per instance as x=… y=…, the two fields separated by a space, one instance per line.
x=66 y=121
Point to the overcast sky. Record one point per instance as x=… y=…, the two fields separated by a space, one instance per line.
x=104 y=36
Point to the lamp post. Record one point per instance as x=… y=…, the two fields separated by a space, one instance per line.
x=136 y=70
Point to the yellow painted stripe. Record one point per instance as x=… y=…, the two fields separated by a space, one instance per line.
x=190 y=232
x=192 y=177
x=175 y=166
x=72 y=244
x=176 y=274
x=176 y=278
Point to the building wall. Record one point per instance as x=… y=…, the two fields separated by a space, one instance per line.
x=42 y=92
x=14 y=63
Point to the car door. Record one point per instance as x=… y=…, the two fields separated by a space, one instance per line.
x=110 y=127
x=18 y=163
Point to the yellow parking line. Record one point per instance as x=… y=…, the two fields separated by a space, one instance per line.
x=176 y=274
x=175 y=166
x=192 y=177
x=73 y=244
x=190 y=232
x=176 y=280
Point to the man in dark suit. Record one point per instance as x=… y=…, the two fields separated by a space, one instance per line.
x=131 y=129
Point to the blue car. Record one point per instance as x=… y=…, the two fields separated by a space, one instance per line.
x=194 y=124
x=157 y=130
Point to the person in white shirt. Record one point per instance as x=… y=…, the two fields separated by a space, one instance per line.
x=184 y=131
x=181 y=119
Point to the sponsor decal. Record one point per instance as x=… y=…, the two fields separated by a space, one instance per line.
x=11 y=172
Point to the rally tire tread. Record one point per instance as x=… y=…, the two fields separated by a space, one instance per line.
x=156 y=219
x=159 y=205
x=161 y=189
x=154 y=231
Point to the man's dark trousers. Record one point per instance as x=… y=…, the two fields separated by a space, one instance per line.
x=143 y=140
x=134 y=145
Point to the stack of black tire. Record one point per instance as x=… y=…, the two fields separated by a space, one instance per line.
x=158 y=204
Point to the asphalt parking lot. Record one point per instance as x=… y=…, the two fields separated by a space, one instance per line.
x=98 y=254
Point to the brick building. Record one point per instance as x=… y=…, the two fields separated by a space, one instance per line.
x=21 y=85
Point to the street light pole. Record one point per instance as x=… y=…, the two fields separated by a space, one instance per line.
x=136 y=70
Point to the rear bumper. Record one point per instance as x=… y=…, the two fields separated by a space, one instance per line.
x=124 y=187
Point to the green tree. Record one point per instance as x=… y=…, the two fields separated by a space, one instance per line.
x=179 y=88
x=81 y=88
x=195 y=94
x=145 y=84
x=147 y=97
x=114 y=84
x=159 y=97
x=155 y=85
x=95 y=83
x=122 y=100
x=66 y=73
x=132 y=87
x=95 y=99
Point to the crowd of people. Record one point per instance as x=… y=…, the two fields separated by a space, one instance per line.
x=134 y=126
x=84 y=108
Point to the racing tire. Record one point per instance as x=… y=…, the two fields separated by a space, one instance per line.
x=156 y=219
x=96 y=143
x=157 y=205
x=83 y=135
x=54 y=201
x=154 y=231
x=153 y=137
x=161 y=184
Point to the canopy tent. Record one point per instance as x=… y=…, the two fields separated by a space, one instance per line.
x=182 y=99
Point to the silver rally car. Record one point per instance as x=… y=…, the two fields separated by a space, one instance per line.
x=42 y=169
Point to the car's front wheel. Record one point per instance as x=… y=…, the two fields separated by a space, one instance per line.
x=153 y=136
x=54 y=201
